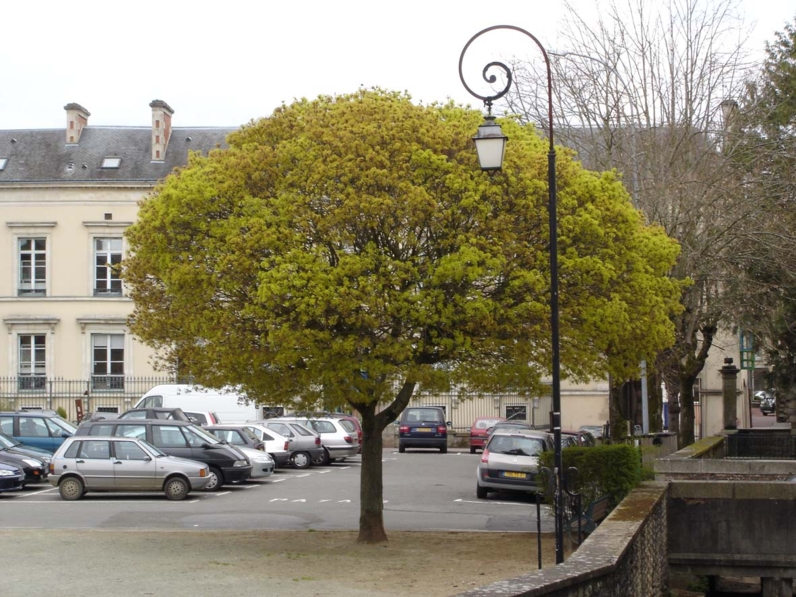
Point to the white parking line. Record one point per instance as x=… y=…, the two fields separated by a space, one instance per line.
x=495 y=503
x=34 y=493
x=219 y=494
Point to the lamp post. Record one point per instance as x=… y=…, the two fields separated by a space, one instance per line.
x=489 y=133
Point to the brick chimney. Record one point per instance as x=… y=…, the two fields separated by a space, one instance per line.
x=76 y=119
x=161 y=129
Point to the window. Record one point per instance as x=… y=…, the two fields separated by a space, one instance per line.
x=129 y=451
x=32 y=267
x=32 y=363
x=136 y=431
x=107 y=368
x=7 y=425
x=3 y=162
x=95 y=449
x=517 y=412
x=152 y=402
x=111 y=162
x=168 y=437
x=33 y=427
x=107 y=259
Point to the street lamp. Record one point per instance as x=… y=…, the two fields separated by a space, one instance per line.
x=490 y=139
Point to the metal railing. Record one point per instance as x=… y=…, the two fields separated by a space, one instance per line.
x=774 y=444
x=99 y=393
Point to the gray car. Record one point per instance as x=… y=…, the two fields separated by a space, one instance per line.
x=305 y=444
x=105 y=463
x=511 y=461
x=338 y=443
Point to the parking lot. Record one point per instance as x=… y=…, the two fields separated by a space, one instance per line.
x=423 y=490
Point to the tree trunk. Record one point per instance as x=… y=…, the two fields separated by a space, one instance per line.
x=673 y=391
x=686 y=431
x=371 y=489
x=655 y=402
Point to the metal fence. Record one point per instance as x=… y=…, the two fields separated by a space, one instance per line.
x=116 y=395
x=96 y=394
x=774 y=444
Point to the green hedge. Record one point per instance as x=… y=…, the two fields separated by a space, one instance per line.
x=612 y=470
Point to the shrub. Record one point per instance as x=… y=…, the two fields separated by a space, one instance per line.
x=611 y=470
x=61 y=412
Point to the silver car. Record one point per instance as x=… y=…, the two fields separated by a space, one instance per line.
x=105 y=463
x=338 y=443
x=511 y=461
x=305 y=444
x=262 y=464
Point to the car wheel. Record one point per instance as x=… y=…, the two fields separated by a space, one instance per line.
x=472 y=450
x=443 y=450
x=216 y=479
x=301 y=460
x=481 y=492
x=322 y=460
x=176 y=488
x=401 y=448
x=71 y=489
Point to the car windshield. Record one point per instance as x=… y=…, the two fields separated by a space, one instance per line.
x=65 y=425
x=423 y=415
x=518 y=446
x=155 y=450
x=323 y=426
x=201 y=433
x=7 y=442
x=486 y=423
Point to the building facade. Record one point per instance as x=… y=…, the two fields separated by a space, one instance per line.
x=66 y=197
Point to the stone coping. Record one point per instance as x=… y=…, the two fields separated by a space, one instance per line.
x=597 y=556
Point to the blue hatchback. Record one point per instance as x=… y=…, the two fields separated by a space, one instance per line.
x=40 y=429
x=423 y=427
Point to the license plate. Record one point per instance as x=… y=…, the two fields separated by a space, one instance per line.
x=424 y=429
x=512 y=475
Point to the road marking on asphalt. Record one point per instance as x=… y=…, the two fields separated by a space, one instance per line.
x=343 y=501
x=490 y=502
x=303 y=501
x=279 y=500
x=328 y=470
x=342 y=468
x=322 y=501
x=220 y=494
x=277 y=480
x=34 y=493
x=304 y=475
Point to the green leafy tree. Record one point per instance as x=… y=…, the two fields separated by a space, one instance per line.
x=345 y=250
x=764 y=130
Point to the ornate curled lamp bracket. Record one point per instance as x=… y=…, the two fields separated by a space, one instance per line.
x=488 y=99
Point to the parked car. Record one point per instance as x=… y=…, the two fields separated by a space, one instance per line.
x=202 y=402
x=768 y=405
x=338 y=443
x=352 y=423
x=35 y=470
x=11 y=478
x=595 y=430
x=237 y=435
x=262 y=464
x=423 y=427
x=173 y=414
x=40 y=429
x=6 y=441
x=510 y=461
x=305 y=445
x=180 y=439
x=105 y=463
x=510 y=425
x=479 y=431
x=582 y=438
x=277 y=446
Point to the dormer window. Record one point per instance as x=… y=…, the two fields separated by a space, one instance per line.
x=3 y=162
x=111 y=162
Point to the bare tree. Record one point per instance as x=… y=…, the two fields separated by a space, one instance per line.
x=647 y=89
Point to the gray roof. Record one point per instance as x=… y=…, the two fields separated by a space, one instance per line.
x=43 y=156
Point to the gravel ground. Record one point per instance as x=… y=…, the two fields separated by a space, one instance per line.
x=105 y=563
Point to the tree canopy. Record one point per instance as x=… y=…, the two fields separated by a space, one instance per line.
x=345 y=249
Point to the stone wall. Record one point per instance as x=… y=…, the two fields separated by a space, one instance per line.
x=625 y=556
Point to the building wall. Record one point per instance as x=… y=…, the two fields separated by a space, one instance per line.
x=69 y=218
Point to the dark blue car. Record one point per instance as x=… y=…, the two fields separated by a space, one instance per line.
x=423 y=427
x=10 y=477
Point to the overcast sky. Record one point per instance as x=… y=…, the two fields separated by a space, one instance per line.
x=224 y=63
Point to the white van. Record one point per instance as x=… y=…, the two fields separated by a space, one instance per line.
x=227 y=405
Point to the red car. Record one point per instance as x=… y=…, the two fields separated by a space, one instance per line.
x=479 y=431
